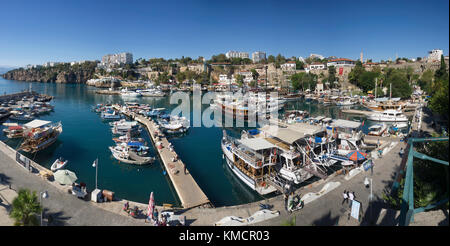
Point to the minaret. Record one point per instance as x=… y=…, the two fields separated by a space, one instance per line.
x=361 y=57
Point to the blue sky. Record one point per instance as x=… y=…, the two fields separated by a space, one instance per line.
x=33 y=32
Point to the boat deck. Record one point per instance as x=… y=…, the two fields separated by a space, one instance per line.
x=190 y=194
x=278 y=143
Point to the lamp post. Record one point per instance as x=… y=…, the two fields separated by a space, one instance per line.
x=95 y=164
x=42 y=194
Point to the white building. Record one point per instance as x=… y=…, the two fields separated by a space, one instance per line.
x=258 y=56
x=435 y=55
x=236 y=54
x=315 y=66
x=117 y=59
x=51 y=64
x=301 y=59
x=248 y=76
x=341 y=62
x=316 y=56
x=223 y=78
x=290 y=65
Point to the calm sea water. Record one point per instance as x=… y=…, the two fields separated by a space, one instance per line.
x=85 y=137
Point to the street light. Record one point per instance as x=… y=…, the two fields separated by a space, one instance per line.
x=42 y=194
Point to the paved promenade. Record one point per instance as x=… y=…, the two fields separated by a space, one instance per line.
x=190 y=194
x=64 y=208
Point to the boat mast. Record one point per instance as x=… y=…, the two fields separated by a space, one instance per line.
x=376 y=84
x=390 y=91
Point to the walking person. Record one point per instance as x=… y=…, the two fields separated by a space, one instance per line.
x=351 y=196
x=344 y=194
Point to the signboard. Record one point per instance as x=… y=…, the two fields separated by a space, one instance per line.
x=367 y=165
x=355 y=209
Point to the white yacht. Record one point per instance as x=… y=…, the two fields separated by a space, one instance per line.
x=389 y=115
x=130 y=94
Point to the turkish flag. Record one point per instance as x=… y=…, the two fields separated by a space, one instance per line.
x=341 y=70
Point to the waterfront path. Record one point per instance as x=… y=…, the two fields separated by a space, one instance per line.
x=190 y=194
x=64 y=208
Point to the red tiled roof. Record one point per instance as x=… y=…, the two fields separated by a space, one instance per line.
x=317 y=63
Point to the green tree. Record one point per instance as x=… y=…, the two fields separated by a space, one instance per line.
x=399 y=81
x=426 y=81
x=331 y=75
x=255 y=74
x=299 y=65
x=296 y=81
x=356 y=72
x=25 y=208
x=271 y=59
x=239 y=80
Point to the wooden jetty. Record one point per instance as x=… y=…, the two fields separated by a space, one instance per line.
x=187 y=189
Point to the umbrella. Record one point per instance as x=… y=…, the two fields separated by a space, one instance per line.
x=356 y=155
x=151 y=206
x=65 y=177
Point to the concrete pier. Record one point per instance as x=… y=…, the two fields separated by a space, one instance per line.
x=187 y=189
x=354 y=111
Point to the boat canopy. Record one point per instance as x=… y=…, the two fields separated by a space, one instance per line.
x=37 y=123
x=345 y=124
x=256 y=143
x=284 y=134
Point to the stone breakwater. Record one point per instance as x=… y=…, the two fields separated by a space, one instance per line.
x=50 y=75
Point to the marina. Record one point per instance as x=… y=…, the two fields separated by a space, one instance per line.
x=209 y=178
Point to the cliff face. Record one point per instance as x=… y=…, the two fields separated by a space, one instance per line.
x=56 y=74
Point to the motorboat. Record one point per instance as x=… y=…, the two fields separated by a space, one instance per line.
x=21 y=117
x=110 y=115
x=377 y=129
x=130 y=94
x=59 y=163
x=124 y=154
x=151 y=93
x=174 y=124
x=389 y=115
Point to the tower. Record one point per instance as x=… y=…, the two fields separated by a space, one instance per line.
x=361 y=57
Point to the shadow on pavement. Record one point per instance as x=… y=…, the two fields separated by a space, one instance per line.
x=326 y=220
x=55 y=219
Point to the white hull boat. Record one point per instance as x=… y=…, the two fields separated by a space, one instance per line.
x=58 y=164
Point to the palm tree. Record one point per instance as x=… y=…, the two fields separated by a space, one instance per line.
x=25 y=207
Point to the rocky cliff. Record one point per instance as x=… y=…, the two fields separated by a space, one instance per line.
x=58 y=74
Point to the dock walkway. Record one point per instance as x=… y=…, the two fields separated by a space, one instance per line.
x=187 y=189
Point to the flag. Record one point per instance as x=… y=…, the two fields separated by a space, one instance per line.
x=363 y=123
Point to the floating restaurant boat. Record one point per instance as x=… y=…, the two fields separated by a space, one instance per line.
x=59 y=163
x=384 y=103
x=39 y=135
x=388 y=116
x=270 y=158
x=348 y=135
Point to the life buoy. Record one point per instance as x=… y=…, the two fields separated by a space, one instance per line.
x=259 y=163
x=262 y=184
